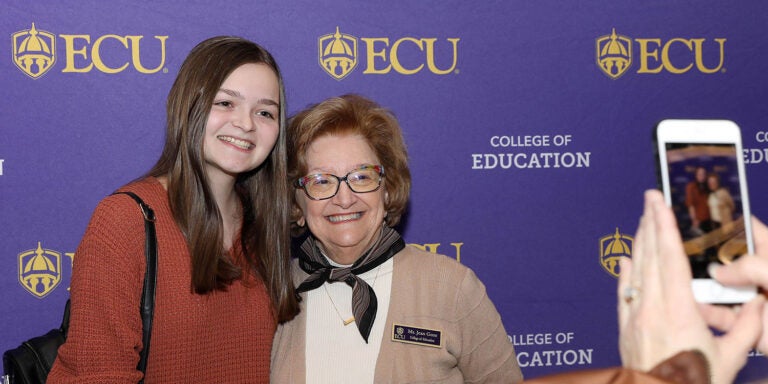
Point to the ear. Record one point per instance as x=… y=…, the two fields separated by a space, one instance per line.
x=301 y=221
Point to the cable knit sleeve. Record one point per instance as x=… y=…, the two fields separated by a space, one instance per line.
x=105 y=327
x=487 y=355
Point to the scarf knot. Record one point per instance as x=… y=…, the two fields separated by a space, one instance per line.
x=340 y=274
x=364 y=303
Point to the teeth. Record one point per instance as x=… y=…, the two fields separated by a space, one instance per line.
x=340 y=218
x=240 y=143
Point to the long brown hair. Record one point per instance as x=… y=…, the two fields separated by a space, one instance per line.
x=265 y=233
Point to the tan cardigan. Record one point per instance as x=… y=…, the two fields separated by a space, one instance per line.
x=431 y=292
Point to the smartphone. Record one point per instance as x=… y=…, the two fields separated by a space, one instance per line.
x=700 y=167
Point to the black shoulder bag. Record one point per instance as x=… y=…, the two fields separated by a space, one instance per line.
x=31 y=362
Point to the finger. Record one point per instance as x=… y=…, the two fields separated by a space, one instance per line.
x=662 y=240
x=625 y=266
x=672 y=262
x=760 y=236
x=628 y=343
x=630 y=277
x=717 y=316
x=745 y=331
x=762 y=345
x=645 y=259
x=749 y=313
x=746 y=270
x=639 y=247
x=750 y=269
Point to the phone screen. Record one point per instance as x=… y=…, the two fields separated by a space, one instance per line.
x=705 y=193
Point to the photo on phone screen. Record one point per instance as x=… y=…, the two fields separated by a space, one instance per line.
x=701 y=173
x=705 y=193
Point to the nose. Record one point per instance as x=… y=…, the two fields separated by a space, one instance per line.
x=344 y=198
x=243 y=120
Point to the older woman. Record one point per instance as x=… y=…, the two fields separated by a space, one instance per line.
x=374 y=309
x=720 y=202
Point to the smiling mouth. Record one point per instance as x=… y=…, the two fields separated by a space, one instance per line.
x=243 y=144
x=341 y=218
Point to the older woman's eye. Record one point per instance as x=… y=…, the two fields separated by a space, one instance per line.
x=321 y=180
x=366 y=174
x=361 y=176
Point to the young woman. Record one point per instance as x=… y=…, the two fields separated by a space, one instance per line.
x=223 y=280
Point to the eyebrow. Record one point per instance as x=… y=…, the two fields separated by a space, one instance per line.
x=330 y=171
x=238 y=95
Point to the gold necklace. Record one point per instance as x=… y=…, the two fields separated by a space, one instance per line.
x=351 y=319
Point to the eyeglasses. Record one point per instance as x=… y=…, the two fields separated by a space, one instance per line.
x=321 y=186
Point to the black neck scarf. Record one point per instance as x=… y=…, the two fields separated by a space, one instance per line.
x=364 y=303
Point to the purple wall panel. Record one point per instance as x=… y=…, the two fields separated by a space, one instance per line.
x=525 y=154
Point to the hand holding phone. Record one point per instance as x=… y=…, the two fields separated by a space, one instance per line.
x=701 y=172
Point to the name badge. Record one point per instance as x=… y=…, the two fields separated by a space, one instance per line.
x=420 y=336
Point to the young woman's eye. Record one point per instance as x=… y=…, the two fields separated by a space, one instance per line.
x=223 y=103
x=266 y=114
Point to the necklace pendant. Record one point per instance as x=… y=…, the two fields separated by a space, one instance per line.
x=349 y=321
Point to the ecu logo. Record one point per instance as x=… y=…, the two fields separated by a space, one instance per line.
x=39 y=270
x=337 y=54
x=612 y=249
x=34 y=51
x=614 y=54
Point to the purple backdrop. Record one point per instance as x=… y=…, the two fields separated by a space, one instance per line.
x=529 y=128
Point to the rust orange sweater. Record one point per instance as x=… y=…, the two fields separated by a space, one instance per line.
x=223 y=337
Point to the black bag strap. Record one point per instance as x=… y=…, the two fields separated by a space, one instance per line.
x=64 y=328
x=150 y=279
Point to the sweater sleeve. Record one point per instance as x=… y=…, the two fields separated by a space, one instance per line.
x=487 y=354
x=616 y=375
x=686 y=367
x=104 y=338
